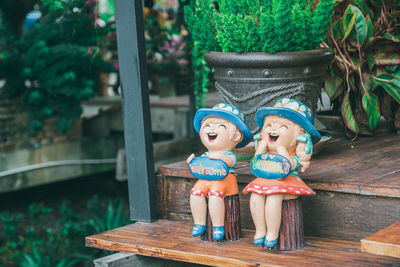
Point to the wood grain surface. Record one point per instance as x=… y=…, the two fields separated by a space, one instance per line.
x=368 y=166
x=291 y=232
x=328 y=214
x=173 y=240
x=384 y=242
x=233 y=229
x=357 y=185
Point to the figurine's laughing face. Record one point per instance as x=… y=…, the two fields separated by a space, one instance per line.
x=219 y=134
x=278 y=131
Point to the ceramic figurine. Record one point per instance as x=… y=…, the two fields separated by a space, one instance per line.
x=283 y=148
x=221 y=129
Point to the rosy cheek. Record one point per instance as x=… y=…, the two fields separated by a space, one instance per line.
x=203 y=135
x=282 y=131
x=283 y=135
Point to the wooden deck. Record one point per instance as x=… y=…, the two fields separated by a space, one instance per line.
x=369 y=166
x=358 y=194
x=357 y=185
x=384 y=242
x=172 y=240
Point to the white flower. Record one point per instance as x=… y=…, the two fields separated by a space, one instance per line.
x=158 y=56
x=293 y=105
x=285 y=100
x=175 y=37
x=228 y=108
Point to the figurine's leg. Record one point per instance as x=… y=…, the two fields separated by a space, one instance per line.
x=257 y=208
x=199 y=209
x=216 y=207
x=199 y=212
x=273 y=216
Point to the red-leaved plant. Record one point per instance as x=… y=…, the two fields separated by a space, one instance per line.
x=365 y=75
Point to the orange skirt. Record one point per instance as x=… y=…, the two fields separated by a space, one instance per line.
x=288 y=185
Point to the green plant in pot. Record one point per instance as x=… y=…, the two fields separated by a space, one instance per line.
x=58 y=64
x=365 y=77
x=261 y=51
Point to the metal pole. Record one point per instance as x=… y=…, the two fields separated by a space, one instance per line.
x=136 y=109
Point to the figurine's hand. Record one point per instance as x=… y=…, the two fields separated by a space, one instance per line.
x=306 y=138
x=302 y=155
x=214 y=156
x=282 y=151
x=263 y=135
x=262 y=147
x=304 y=165
x=257 y=139
x=189 y=159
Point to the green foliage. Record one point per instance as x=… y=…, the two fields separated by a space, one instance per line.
x=35 y=238
x=113 y=218
x=204 y=31
x=252 y=26
x=56 y=64
x=365 y=76
x=258 y=26
x=201 y=73
x=320 y=23
x=200 y=68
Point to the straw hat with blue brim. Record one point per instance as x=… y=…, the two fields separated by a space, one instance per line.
x=292 y=110
x=227 y=112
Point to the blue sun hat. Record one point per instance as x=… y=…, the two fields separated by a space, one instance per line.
x=227 y=112
x=292 y=110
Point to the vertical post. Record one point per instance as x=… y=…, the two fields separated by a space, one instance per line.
x=136 y=109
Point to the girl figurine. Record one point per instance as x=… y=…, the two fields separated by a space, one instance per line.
x=287 y=130
x=221 y=129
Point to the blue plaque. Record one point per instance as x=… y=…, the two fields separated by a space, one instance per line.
x=270 y=166
x=208 y=169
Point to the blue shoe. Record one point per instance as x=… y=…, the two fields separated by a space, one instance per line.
x=270 y=244
x=218 y=232
x=259 y=241
x=198 y=229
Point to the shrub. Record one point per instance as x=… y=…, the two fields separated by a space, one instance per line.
x=43 y=236
x=259 y=26
x=365 y=77
x=57 y=63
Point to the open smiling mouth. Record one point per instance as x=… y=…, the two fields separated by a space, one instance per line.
x=212 y=137
x=273 y=137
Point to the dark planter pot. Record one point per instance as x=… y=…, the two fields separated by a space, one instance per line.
x=252 y=80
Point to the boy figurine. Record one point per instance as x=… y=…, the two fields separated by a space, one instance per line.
x=221 y=129
x=287 y=130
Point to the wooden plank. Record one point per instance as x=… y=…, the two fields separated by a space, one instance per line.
x=384 y=242
x=329 y=214
x=387 y=185
x=366 y=167
x=136 y=109
x=348 y=216
x=172 y=240
x=130 y=259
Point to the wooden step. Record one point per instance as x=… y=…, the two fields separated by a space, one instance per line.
x=384 y=242
x=357 y=185
x=172 y=240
